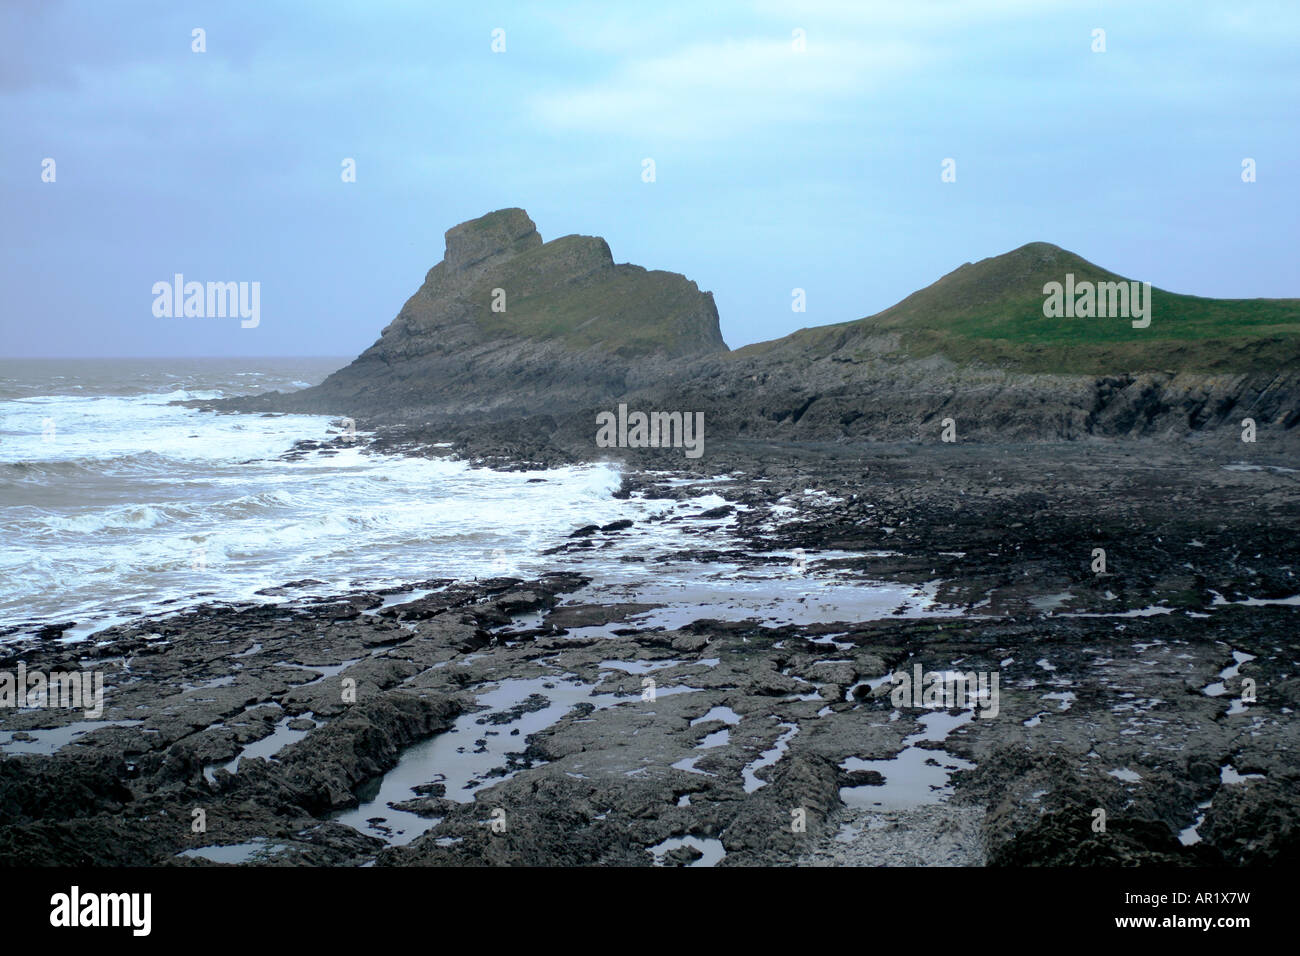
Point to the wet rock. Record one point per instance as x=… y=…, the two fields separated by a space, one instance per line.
x=289 y=587
x=594 y=615
x=862 y=778
x=1096 y=710
x=683 y=855
x=719 y=512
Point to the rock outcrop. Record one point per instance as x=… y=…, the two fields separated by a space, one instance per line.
x=507 y=326
x=530 y=335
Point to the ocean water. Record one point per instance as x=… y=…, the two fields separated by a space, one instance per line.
x=115 y=502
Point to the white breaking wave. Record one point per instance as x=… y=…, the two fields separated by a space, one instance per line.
x=116 y=504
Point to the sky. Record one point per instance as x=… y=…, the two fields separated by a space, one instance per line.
x=795 y=146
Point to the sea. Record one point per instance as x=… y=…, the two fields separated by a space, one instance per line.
x=116 y=502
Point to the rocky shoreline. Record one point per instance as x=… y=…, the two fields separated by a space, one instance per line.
x=513 y=716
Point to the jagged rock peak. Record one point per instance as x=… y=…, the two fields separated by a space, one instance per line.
x=501 y=234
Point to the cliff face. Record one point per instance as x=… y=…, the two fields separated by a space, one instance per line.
x=507 y=326
x=890 y=396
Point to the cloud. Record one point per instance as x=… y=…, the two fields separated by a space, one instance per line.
x=936 y=15
x=720 y=88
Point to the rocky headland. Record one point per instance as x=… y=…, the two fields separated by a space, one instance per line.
x=512 y=342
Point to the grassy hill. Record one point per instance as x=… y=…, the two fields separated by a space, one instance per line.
x=991 y=312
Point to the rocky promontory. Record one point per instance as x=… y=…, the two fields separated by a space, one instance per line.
x=507 y=325
x=514 y=344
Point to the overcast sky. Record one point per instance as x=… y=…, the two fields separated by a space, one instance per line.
x=775 y=169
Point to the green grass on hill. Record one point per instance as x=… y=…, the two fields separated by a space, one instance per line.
x=991 y=312
x=1186 y=333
